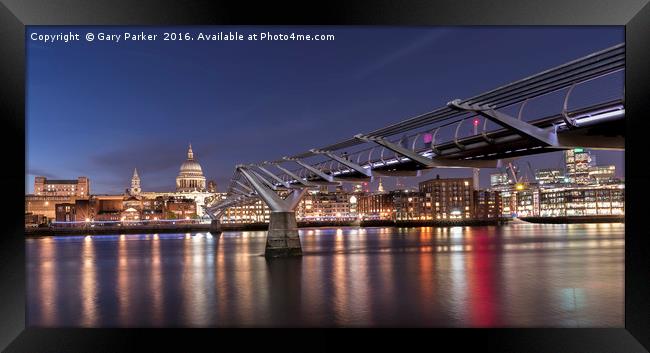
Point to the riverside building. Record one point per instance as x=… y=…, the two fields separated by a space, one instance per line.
x=447 y=199
x=50 y=187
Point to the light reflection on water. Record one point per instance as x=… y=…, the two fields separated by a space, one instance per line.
x=518 y=275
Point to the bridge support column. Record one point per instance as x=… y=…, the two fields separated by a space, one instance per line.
x=282 y=239
x=215 y=227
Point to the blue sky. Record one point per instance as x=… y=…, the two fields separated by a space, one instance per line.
x=100 y=109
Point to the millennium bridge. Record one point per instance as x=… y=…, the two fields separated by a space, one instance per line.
x=484 y=131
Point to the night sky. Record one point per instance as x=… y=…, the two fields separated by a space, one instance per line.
x=99 y=109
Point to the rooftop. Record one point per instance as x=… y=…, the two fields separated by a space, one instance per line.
x=61 y=181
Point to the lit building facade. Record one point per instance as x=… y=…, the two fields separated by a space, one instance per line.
x=376 y=206
x=198 y=197
x=567 y=201
x=65 y=212
x=487 y=204
x=550 y=176
x=605 y=174
x=508 y=203
x=154 y=209
x=181 y=209
x=323 y=205
x=606 y=200
x=48 y=187
x=578 y=162
x=445 y=199
x=254 y=212
x=527 y=202
x=108 y=207
x=407 y=205
x=80 y=210
x=499 y=180
x=45 y=205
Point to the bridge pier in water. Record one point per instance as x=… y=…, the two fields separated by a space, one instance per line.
x=215 y=227
x=282 y=239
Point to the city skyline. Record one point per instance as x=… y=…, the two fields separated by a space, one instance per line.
x=140 y=117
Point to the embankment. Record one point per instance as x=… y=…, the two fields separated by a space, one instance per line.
x=577 y=219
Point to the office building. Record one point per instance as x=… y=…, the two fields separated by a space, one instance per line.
x=500 y=181
x=578 y=162
x=605 y=174
x=605 y=200
x=550 y=176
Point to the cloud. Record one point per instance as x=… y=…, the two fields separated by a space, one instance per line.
x=41 y=172
x=400 y=53
x=155 y=160
x=147 y=156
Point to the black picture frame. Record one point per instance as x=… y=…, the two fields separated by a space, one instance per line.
x=633 y=14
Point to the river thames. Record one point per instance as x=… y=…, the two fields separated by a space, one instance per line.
x=518 y=275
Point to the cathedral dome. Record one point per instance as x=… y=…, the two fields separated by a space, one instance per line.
x=191 y=167
x=190 y=177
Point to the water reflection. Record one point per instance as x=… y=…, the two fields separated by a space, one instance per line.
x=156 y=282
x=123 y=289
x=89 y=315
x=518 y=275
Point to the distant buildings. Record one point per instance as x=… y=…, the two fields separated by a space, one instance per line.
x=550 y=176
x=45 y=187
x=500 y=181
x=212 y=186
x=254 y=212
x=603 y=174
x=584 y=190
x=583 y=201
x=436 y=199
x=323 y=205
x=578 y=161
x=376 y=206
x=45 y=206
x=190 y=189
x=71 y=201
x=568 y=191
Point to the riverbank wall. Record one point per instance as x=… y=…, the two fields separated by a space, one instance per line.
x=198 y=227
x=577 y=219
x=189 y=228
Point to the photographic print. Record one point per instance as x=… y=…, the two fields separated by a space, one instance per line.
x=325 y=176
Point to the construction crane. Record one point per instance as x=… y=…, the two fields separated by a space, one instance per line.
x=531 y=171
x=514 y=171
